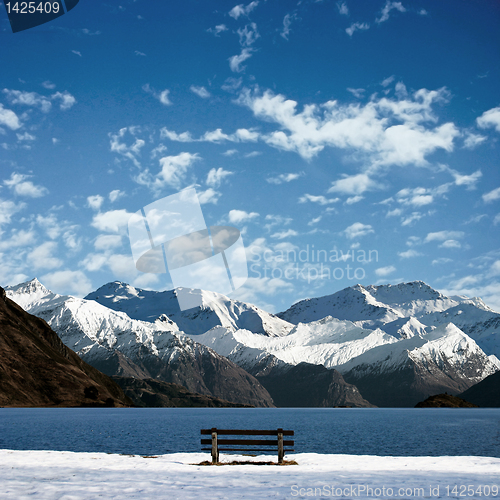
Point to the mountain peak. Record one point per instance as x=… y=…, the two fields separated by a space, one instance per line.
x=30 y=286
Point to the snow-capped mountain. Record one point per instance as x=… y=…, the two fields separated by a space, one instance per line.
x=216 y=310
x=119 y=345
x=404 y=310
x=397 y=343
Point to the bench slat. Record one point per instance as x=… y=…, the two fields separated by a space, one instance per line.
x=246 y=450
x=247 y=432
x=248 y=442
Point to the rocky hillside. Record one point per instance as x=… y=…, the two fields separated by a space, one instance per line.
x=37 y=369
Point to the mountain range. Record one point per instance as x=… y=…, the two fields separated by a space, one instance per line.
x=387 y=345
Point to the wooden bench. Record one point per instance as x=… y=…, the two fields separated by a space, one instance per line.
x=220 y=445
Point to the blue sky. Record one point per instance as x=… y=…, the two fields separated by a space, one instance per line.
x=350 y=142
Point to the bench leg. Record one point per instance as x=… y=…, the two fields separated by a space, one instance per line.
x=280 y=446
x=215 y=448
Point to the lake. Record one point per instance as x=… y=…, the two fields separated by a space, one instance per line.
x=154 y=431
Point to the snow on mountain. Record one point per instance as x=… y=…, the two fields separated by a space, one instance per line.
x=371 y=306
x=216 y=310
x=403 y=311
x=328 y=342
x=445 y=345
x=474 y=318
x=406 y=328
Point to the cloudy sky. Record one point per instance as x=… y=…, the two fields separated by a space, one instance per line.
x=349 y=142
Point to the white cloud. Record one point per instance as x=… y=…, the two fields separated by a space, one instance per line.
x=469 y=181
x=218 y=29
x=358 y=93
x=216 y=136
x=19 y=238
x=314 y=221
x=409 y=219
x=357 y=230
x=284 y=234
x=139 y=53
x=95 y=201
x=107 y=241
x=387 y=9
x=387 y=81
x=492 y=195
x=473 y=140
x=490 y=118
x=174 y=169
x=450 y=244
x=441 y=260
x=496 y=220
x=239 y=216
x=32 y=99
x=174 y=136
x=322 y=200
x=242 y=10
x=354 y=184
x=235 y=61
x=384 y=271
x=44 y=103
x=209 y=196
x=114 y=221
x=67 y=100
x=394 y=213
x=48 y=85
x=444 y=235
x=248 y=35
x=282 y=178
x=356 y=27
x=386 y=131
x=9 y=118
x=343 y=9
x=115 y=195
x=25 y=137
x=200 y=91
x=79 y=54
x=287 y=22
x=276 y=220
x=354 y=199
x=42 y=256
x=409 y=254
x=216 y=176
x=22 y=187
x=418 y=197
x=162 y=96
x=130 y=152
x=68 y=282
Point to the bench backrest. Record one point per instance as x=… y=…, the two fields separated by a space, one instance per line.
x=222 y=444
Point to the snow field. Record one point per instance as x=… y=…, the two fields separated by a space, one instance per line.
x=57 y=475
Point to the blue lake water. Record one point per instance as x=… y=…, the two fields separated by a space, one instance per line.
x=154 y=431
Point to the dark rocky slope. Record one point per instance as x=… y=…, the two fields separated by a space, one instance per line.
x=37 y=369
x=308 y=385
x=485 y=393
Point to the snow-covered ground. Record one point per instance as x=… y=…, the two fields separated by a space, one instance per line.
x=71 y=476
